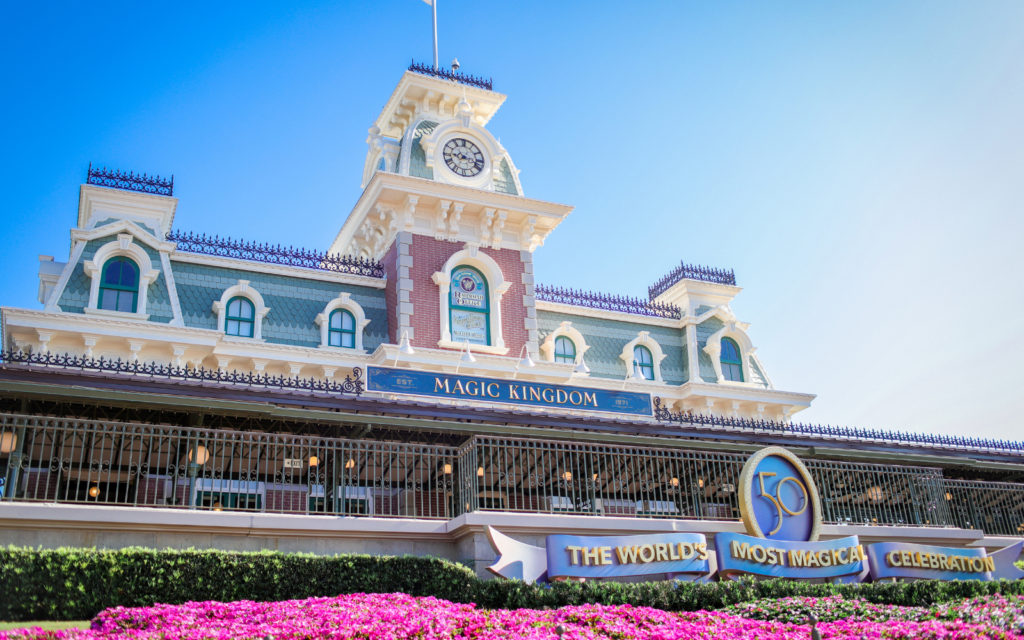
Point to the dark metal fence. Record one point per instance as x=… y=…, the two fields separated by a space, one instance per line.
x=997 y=508
x=104 y=463
x=130 y=182
x=84 y=461
x=608 y=302
x=275 y=254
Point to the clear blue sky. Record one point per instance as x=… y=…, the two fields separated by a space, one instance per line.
x=860 y=165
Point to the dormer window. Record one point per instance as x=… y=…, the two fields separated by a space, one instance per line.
x=644 y=361
x=469 y=307
x=240 y=318
x=732 y=364
x=341 y=331
x=119 y=285
x=565 y=350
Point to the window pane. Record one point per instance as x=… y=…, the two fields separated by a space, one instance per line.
x=642 y=355
x=648 y=372
x=127 y=274
x=245 y=329
x=234 y=308
x=108 y=300
x=348 y=340
x=348 y=322
x=565 y=347
x=729 y=351
x=334 y=339
x=336 y=320
x=246 y=309
x=232 y=328
x=113 y=272
x=125 y=300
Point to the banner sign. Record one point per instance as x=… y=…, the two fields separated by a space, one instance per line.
x=517 y=392
x=740 y=554
x=904 y=560
x=619 y=556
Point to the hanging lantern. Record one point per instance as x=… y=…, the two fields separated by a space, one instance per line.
x=350 y=463
x=314 y=461
x=8 y=441
x=675 y=482
x=198 y=455
x=94 y=491
x=567 y=476
x=480 y=472
x=217 y=507
x=447 y=469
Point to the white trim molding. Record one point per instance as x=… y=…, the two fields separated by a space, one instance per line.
x=547 y=348
x=714 y=350
x=242 y=289
x=657 y=355
x=496 y=286
x=126 y=247
x=343 y=301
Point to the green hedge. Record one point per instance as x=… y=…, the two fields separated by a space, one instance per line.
x=76 y=584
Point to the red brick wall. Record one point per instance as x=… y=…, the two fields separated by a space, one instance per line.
x=391 y=292
x=428 y=257
x=151 y=490
x=40 y=484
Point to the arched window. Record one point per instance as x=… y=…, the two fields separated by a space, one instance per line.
x=565 y=350
x=240 y=318
x=119 y=285
x=644 y=360
x=732 y=364
x=341 y=332
x=469 y=307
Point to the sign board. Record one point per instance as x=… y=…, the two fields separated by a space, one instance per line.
x=517 y=392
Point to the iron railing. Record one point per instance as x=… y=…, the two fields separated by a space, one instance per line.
x=691 y=272
x=850 y=433
x=607 y=302
x=130 y=182
x=454 y=76
x=997 y=508
x=64 y=460
x=290 y=256
x=592 y=479
x=83 y=461
x=351 y=385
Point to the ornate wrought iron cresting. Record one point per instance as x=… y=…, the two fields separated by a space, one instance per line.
x=925 y=439
x=130 y=182
x=291 y=256
x=691 y=272
x=454 y=76
x=608 y=302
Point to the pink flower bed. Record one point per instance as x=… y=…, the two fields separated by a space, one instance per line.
x=398 y=616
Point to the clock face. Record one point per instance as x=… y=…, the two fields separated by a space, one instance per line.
x=463 y=157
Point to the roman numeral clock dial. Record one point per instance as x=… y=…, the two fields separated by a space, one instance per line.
x=463 y=157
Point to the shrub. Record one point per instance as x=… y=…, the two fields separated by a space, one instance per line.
x=76 y=584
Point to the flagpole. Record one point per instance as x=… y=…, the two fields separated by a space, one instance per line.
x=433 y=6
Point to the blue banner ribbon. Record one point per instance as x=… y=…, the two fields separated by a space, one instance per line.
x=739 y=554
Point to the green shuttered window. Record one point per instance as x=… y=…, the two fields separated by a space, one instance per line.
x=119 y=285
x=240 y=318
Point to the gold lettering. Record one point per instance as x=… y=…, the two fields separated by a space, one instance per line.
x=513 y=392
x=891 y=558
x=574 y=554
x=661 y=552
x=933 y=560
x=835 y=557
x=772 y=559
x=458 y=388
x=860 y=552
x=905 y=558
x=842 y=557
x=740 y=550
x=472 y=391
x=943 y=562
x=758 y=554
x=673 y=552
x=561 y=396
x=649 y=555
x=494 y=393
x=825 y=558
x=977 y=564
x=702 y=551
x=782 y=557
x=606 y=555
x=438 y=386
x=812 y=560
x=594 y=553
x=534 y=394
x=686 y=550
x=990 y=564
x=578 y=399
x=627 y=555
x=590 y=398
x=797 y=558
x=545 y=395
